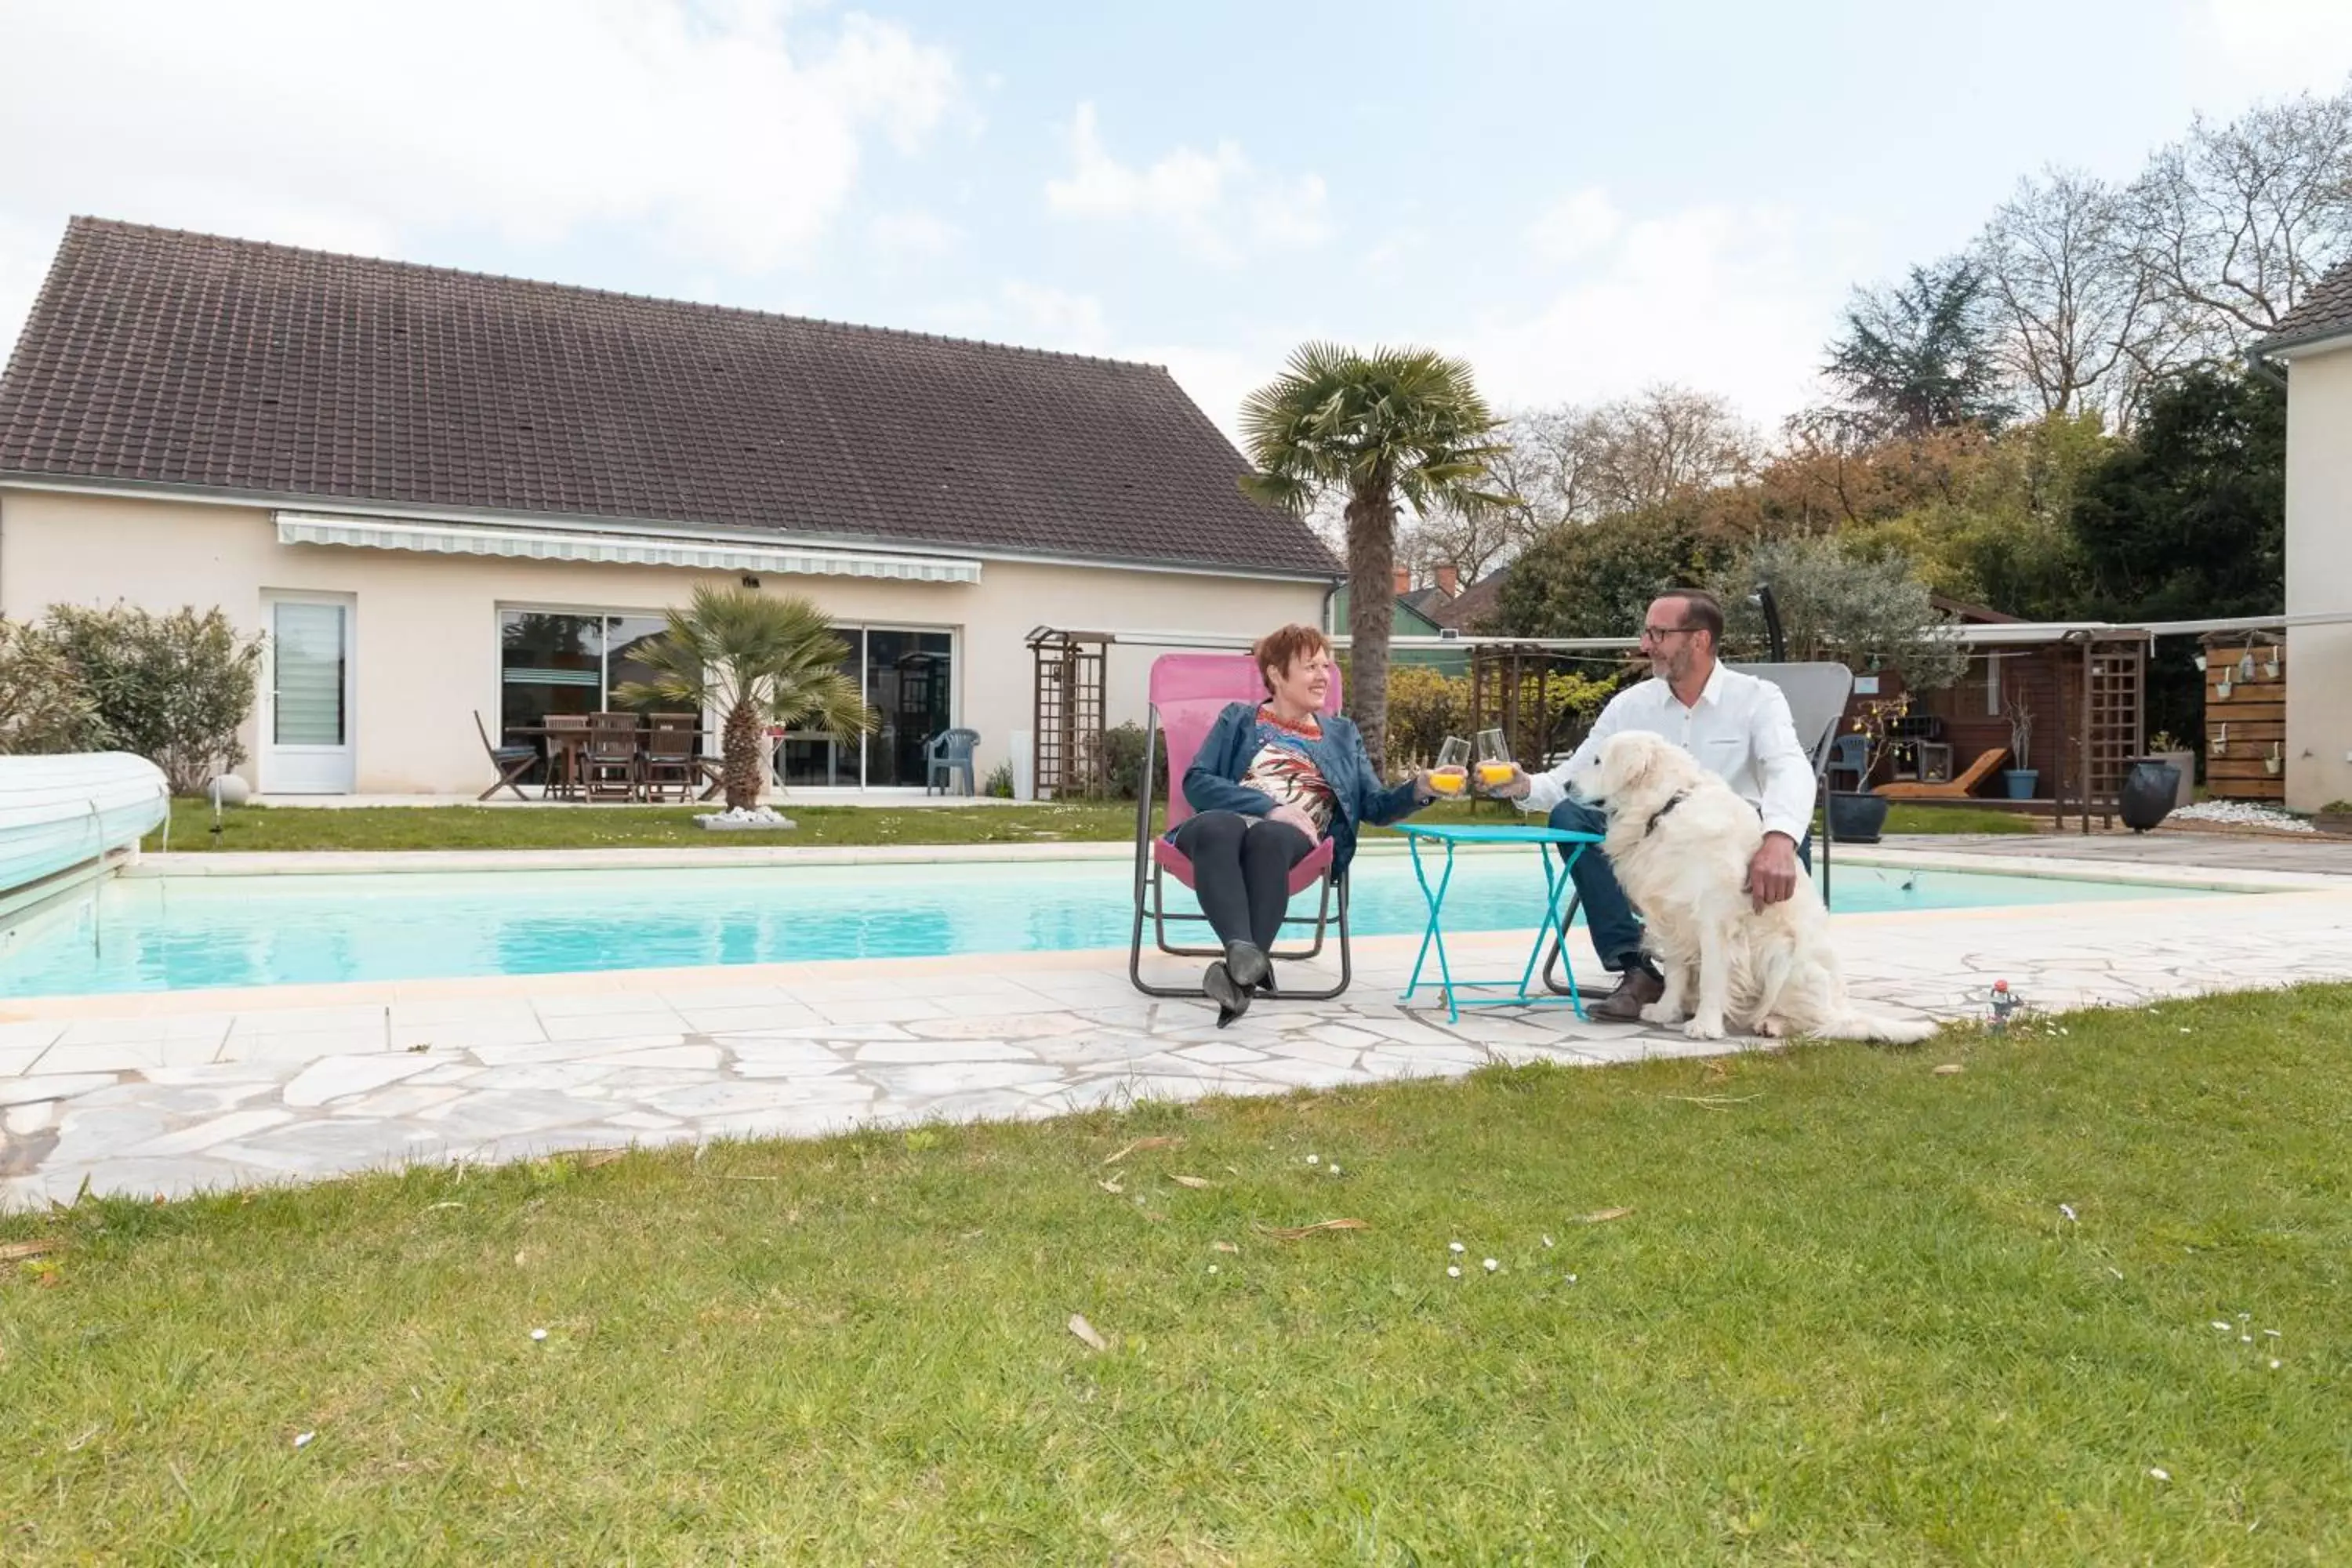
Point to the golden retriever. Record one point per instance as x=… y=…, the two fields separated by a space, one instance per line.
x=1680 y=840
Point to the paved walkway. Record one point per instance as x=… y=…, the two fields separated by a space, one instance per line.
x=2323 y=855
x=167 y=1094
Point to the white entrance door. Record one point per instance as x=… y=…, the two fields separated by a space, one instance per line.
x=307 y=731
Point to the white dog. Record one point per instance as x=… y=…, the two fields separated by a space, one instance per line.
x=1680 y=841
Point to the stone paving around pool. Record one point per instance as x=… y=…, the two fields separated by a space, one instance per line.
x=167 y=1095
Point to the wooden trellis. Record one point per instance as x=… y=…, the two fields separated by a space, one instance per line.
x=1508 y=692
x=1068 y=713
x=2108 y=725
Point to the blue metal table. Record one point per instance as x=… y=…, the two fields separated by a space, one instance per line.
x=1559 y=889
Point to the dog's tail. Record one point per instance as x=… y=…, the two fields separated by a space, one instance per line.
x=1883 y=1027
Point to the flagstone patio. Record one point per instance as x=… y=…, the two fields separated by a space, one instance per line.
x=169 y=1094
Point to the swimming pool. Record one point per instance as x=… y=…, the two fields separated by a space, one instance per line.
x=198 y=932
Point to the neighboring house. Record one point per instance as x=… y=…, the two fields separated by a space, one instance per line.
x=2314 y=342
x=1416 y=616
x=1471 y=611
x=443 y=493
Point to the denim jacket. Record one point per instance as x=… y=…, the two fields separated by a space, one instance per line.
x=1214 y=781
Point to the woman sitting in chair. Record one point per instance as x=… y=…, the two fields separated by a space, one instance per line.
x=1270 y=782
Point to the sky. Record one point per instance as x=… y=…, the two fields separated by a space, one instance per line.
x=1581 y=199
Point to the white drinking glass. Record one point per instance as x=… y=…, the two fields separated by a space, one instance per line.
x=1451 y=776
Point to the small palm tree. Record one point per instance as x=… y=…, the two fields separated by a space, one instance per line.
x=764 y=660
x=1376 y=426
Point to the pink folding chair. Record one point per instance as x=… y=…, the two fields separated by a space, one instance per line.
x=1188 y=691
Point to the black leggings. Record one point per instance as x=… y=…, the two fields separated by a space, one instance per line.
x=1241 y=872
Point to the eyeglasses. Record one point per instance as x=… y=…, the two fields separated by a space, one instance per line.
x=1660 y=634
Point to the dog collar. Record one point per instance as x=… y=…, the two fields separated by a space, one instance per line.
x=1659 y=816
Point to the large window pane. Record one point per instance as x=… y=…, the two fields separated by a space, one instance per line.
x=547 y=664
x=308 y=709
x=908 y=682
x=625 y=636
x=813 y=760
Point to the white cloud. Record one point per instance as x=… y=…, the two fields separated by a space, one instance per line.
x=1218 y=202
x=1733 y=300
x=1029 y=316
x=2271 y=47
x=1046 y=318
x=1576 y=226
x=733 y=134
x=907 y=235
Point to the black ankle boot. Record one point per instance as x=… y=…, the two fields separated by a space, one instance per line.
x=1249 y=965
x=1231 y=1000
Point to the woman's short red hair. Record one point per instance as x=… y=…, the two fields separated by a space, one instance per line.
x=1281 y=650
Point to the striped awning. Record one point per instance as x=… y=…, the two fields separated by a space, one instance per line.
x=616 y=548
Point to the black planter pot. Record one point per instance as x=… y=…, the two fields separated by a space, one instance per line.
x=2150 y=791
x=1857 y=817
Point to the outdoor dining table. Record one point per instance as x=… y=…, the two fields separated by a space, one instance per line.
x=713 y=779
x=1559 y=890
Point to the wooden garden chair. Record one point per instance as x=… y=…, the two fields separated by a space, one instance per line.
x=567 y=735
x=611 y=757
x=1959 y=788
x=672 y=755
x=512 y=761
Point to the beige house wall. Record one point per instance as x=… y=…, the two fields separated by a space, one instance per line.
x=2319 y=578
x=425 y=627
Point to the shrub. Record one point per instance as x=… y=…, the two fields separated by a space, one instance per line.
x=1123 y=763
x=1424 y=707
x=1840 y=606
x=45 y=706
x=1573 y=702
x=174 y=688
x=1000 y=783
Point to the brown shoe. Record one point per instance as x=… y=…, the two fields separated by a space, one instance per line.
x=1637 y=989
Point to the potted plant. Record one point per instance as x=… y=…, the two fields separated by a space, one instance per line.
x=2166 y=747
x=2021 y=776
x=2335 y=816
x=1859 y=816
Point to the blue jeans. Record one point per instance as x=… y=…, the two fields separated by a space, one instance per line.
x=1608 y=912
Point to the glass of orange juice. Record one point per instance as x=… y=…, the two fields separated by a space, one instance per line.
x=1451 y=776
x=1495 y=764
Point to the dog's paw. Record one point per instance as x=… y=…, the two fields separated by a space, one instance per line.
x=1771 y=1029
x=1704 y=1029
x=1659 y=1013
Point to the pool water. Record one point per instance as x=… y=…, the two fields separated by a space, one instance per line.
x=195 y=933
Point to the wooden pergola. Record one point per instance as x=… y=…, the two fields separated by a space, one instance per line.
x=2086 y=687
x=1508 y=690
x=1067 y=713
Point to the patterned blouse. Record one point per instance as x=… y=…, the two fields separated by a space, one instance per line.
x=1282 y=768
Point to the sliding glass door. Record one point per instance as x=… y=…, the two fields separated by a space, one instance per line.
x=908 y=679
x=565 y=662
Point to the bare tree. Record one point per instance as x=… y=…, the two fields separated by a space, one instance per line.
x=1570 y=464
x=1666 y=440
x=2235 y=222
x=1472 y=542
x=2081 y=324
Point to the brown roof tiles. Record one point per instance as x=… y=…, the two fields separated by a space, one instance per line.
x=154 y=357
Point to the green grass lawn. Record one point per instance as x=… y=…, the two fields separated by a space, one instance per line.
x=1846 y=1319
x=654 y=826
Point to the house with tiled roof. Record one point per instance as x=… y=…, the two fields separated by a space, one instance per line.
x=442 y=493
x=2313 y=344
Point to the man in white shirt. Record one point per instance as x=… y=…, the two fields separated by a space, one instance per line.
x=1738 y=727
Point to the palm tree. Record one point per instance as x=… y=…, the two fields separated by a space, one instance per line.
x=766 y=660
x=1392 y=423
